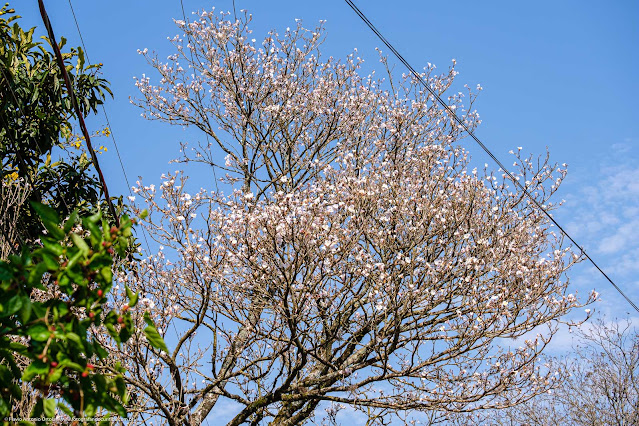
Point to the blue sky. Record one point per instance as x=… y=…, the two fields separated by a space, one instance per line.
x=560 y=75
x=556 y=74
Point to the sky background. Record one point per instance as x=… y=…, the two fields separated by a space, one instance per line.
x=561 y=75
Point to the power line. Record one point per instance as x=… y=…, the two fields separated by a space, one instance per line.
x=455 y=117
x=117 y=150
x=108 y=122
x=83 y=127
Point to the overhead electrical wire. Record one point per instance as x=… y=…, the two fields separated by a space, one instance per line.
x=455 y=117
x=74 y=102
x=115 y=144
x=86 y=55
x=109 y=125
x=106 y=117
x=439 y=100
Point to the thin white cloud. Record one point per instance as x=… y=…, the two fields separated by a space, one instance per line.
x=602 y=213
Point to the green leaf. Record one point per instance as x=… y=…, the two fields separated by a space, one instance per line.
x=95 y=218
x=100 y=260
x=102 y=353
x=96 y=237
x=120 y=410
x=18 y=348
x=125 y=331
x=75 y=338
x=49 y=407
x=35 y=276
x=4 y=407
x=54 y=248
x=34 y=369
x=80 y=243
x=106 y=274
x=72 y=365
x=12 y=306
x=74 y=260
x=5 y=374
x=80 y=65
x=37 y=409
x=5 y=271
x=15 y=391
x=155 y=339
x=55 y=375
x=50 y=261
x=73 y=218
x=25 y=311
x=113 y=333
x=49 y=218
x=133 y=297
x=54 y=230
x=39 y=309
x=148 y=320
x=65 y=409
x=60 y=309
x=89 y=410
x=46 y=213
x=39 y=332
x=120 y=385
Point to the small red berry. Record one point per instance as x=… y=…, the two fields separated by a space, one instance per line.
x=90 y=366
x=120 y=320
x=110 y=250
x=125 y=308
x=91 y=315
x=85 y=374
x=114 y=229
x=100 y=293
x=54 y=364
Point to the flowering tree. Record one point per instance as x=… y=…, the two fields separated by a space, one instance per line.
x=357 y=261
x=602 y=387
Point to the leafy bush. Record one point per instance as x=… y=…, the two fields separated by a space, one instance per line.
x=51 y=300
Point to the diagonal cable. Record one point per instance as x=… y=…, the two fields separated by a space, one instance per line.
x=455 y=117
x=108 y=122
x=83 y=127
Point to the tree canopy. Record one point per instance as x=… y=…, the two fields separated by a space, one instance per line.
x=358 y=260
x=36 y=116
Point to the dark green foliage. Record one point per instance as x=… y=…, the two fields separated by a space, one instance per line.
x=54 y=287
x=36 y=116
x=77 y=266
